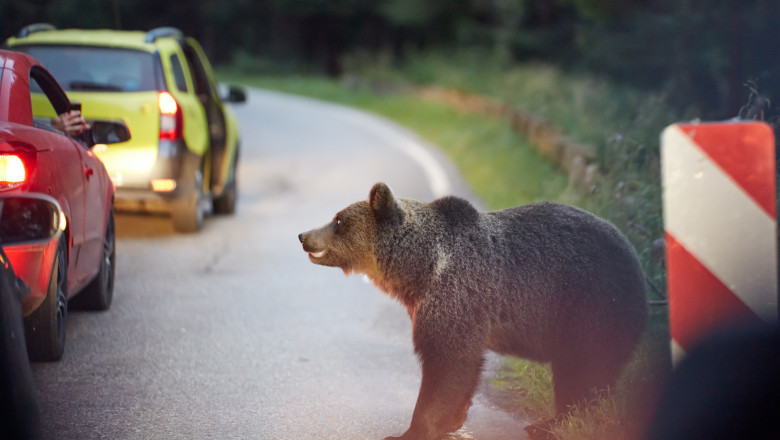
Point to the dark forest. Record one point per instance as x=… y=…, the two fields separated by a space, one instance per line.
x=709 y=55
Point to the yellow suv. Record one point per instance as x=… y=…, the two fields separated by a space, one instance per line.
x=183 y=153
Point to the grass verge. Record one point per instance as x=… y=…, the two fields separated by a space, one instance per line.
x=486 y=151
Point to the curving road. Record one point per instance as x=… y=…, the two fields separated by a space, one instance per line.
x=232 y=333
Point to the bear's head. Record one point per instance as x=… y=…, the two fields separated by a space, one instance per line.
x=348 y=240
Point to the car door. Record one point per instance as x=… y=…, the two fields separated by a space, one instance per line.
x=206 y=91
x=95 y=214
x=67 y=171
x=180 y=85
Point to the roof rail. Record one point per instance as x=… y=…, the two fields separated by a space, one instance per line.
x=36 y=27
x=161 y=32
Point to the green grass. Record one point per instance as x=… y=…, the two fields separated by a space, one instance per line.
x=588 y=108
x=501 y=167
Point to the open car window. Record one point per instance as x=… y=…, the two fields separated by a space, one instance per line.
x=48 y=100
x=42 y=84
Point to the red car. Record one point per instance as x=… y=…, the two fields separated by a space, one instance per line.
x=35 y=158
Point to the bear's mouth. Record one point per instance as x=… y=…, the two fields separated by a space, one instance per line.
x=319 y=254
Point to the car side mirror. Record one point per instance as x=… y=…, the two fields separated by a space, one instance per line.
x=107 y=132
x=29 y=218
x=232 y=94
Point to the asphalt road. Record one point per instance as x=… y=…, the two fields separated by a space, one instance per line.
x=232 y=332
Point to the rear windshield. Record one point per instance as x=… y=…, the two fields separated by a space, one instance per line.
x=97 y=69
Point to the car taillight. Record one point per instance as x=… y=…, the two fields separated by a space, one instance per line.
x=18 y=161
x=12 y=171
x=170 y=117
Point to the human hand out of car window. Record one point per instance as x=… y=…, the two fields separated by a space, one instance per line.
x=71 y=122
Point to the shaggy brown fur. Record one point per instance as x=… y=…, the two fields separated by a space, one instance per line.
x=545 y=281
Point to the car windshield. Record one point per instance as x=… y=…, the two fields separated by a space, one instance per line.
x=96 y=69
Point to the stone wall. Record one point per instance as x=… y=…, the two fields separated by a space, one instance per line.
x=577 y=159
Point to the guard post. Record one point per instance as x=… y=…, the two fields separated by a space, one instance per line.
x=720 y=226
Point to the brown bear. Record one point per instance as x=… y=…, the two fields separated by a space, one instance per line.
x=545 y=281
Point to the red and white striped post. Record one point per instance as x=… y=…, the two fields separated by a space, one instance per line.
x=720 y=227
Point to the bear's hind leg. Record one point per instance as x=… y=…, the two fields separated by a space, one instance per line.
x=578 y=380
x=445 y=397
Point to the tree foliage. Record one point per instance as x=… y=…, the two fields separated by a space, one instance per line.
x=700 y=52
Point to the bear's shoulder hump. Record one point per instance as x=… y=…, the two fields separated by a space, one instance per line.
x=455 y=209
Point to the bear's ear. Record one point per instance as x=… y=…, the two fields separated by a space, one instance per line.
x=381 y=200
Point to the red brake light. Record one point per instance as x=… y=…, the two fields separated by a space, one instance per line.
x=12 y=170
x=170 y=117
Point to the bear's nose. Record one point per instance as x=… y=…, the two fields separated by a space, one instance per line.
x=301 y=238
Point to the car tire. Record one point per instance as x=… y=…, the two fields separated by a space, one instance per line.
x=45 y=327
x=187 y=214
x=226 y=203
x=100 y=292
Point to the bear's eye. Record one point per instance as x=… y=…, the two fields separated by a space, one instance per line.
x=337 y=221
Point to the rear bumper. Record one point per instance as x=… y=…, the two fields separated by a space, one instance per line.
x=33 y=264
x=31 y=225
x=135 y=193
x=129 y=199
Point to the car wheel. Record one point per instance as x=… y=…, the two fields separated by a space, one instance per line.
x=226 y=203
x=45 y=327
x=187 y=214
x=99 y=293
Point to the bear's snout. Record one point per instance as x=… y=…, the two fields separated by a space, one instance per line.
x=310 y=241
x=312 y=245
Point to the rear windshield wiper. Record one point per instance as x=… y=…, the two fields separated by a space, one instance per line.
x=86 y=85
